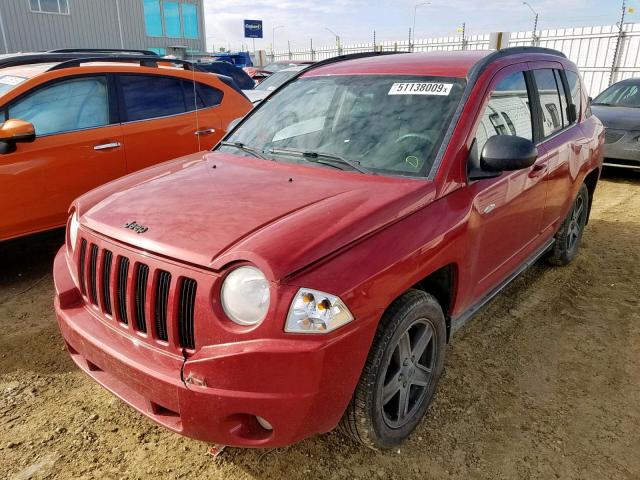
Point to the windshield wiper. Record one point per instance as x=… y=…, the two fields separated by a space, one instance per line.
x=243 y=147
x=323 y=158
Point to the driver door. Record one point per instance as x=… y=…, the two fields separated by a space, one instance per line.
x=76 y=149
x=507 y=211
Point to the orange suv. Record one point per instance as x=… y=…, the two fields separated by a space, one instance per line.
x=76 y=120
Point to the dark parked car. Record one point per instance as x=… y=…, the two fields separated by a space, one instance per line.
x=266 y=87
x=618 y=107
x=238 y=75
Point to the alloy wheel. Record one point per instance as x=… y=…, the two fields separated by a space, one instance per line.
x=409 y=373
x=576 y=223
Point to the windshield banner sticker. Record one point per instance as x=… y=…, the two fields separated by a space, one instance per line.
x=420 y=88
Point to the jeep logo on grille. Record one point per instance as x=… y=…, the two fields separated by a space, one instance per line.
x=136 y=227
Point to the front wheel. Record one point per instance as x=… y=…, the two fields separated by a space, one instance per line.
x=569 y=236
x=401 y=373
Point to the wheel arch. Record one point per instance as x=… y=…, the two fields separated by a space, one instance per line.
x=591 y=181
x=443 y=285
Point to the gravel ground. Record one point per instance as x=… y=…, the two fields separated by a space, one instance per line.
x=543 y=383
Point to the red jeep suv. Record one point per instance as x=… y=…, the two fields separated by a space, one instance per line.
x=311 y=269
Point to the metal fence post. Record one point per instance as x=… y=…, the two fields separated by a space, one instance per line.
x=619 y=43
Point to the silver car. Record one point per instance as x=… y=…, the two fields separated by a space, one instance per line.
x=618 y=107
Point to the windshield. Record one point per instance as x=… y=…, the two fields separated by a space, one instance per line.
x=8 y=82
x=276 y=66
x=384 y=124
x=620 y=95
x=274 y=81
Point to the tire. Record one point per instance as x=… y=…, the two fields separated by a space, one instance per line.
x=569 y=237
x=398 y=362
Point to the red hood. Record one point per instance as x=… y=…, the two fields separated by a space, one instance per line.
x=216 y=208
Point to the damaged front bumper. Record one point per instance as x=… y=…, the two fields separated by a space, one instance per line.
x=221 y=392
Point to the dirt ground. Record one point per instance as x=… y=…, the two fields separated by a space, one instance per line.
x=543 y=383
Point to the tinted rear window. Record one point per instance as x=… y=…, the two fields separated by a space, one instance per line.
x=147 y=96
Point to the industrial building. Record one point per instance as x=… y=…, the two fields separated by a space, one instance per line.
x=164 y=26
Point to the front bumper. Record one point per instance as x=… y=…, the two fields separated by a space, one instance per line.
x=622 y=148
x=300 y=385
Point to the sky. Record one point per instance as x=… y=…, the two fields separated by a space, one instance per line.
x=355 y=20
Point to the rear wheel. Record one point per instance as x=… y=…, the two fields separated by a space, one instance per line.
x=401 y=373
x=569 y=236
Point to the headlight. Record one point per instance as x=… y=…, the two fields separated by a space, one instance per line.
x=245 y=296
x=72 y=228
x=316 y=312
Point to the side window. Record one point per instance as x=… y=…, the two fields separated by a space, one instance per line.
x=207 y=96
x=507 y=112
x=551 y=105
x=575 y=88
x=563 y=98
x=64 y=106
x=151 y=96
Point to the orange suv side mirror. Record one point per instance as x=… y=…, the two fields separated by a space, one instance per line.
x=13 y=131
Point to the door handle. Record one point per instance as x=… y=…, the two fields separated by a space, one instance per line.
x=107 y=146
x=206 y=131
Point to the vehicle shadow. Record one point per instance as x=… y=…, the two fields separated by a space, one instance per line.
x=27 y=259
x=621 y=175
x=30 y=341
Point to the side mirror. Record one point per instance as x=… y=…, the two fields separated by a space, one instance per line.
x=501 y=153
x=13 y=131
x=506 y=152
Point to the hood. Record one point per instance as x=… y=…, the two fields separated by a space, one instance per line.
x=214 y=209
x=618 y=118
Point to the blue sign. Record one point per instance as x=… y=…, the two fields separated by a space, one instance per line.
x=253 y=29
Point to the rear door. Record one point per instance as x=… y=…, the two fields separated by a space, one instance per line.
x=160 y=121
x=563 y=142
x=78 y=147
x=507 y=210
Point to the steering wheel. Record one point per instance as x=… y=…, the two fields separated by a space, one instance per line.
x=287 y=117
x=415 y=139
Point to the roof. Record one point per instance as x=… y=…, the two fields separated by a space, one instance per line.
x=450 y=64
x=457 y=64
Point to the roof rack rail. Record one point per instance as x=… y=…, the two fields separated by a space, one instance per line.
x=31 y=58
x=142 y=60
x=104 y=50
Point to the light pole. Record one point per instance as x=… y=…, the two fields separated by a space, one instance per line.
x=535 y=23
x=273 y=39
x=337 y=38
x=413 y=30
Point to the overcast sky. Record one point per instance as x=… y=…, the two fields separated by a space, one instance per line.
x=355 y=20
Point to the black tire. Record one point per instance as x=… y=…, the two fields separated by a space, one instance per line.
x=569 y=236
x=377 y=422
